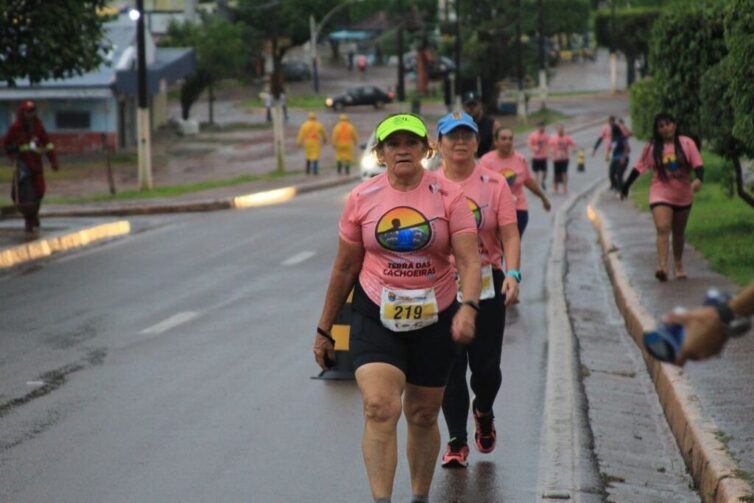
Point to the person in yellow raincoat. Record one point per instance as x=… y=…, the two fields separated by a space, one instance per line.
x=344 y=137
x=312 y=135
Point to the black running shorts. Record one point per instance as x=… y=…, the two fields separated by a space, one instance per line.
x=539 y=164
x=423 y=355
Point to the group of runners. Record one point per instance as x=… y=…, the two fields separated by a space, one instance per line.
x=433 y=261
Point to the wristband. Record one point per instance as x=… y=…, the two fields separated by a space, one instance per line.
x=514 y=274
x=472 y=304
x=326 y=336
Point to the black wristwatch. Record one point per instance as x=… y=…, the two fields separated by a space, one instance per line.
x=735 y=326
x=472 y=304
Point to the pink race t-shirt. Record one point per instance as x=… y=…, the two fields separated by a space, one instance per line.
x=406 y=235
x=491 y=202
x=514 y=169
x=676 y=190
x=561 y=147
x=538 y=145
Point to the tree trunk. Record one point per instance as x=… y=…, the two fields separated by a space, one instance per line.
x=740 y=183
x=630 y=70
x=211 y=92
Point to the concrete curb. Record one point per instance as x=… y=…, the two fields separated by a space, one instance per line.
x=41 y=248
x=712 y=468
x=560 y=471
x=233 y=202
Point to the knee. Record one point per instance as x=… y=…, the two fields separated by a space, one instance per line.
x=422 y=416
x=663 y=231
x=382 y=409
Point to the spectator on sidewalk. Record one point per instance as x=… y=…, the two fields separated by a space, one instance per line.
x=312 y=135
x=472 y=105
x=344 y=138
x=25 y=142
x=672 y=158
x=705 y=327
x=561 y=146
x=538 y=146
x=619 y=157
x=513 y=166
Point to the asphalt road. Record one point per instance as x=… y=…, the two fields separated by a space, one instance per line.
x=175 y=365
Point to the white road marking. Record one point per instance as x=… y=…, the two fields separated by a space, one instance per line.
x=35 y=383
x=172 y=322
x=298 y=258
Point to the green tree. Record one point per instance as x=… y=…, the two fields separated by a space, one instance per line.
x=220 y=51
x=727 y=94
x=44 y=40
x=687 y=40
x=628 y=31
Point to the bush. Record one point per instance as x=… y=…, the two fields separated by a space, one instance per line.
x=644 y=105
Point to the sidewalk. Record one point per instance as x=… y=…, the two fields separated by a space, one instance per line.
x=709 y=405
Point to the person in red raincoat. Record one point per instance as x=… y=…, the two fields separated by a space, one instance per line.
x=24 y=143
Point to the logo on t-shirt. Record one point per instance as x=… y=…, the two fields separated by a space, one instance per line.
x=670 y=161
x=476 y=211
x=403 y=229
x=510 y=176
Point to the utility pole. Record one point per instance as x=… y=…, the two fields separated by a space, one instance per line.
x=401 y=91
x=313 y=44
x=144 y=147
x=521 y=101
x=542 y=59
x=278 y=130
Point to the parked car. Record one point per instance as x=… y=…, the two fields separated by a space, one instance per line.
x=369 y=166
x=296 y=70
x=362 y=95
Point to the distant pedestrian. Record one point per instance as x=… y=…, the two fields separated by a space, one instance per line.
x=344 y=138
x=25 y=142
x=361 y=62
x=268 y=105
x=472 y=105
x=671 y=157
x=606 y=136
x=619 y=156
x=513 y=166
x=561 y=146
x=312 y=135
x=538 y=142
x=284 y=104
x=351 y=57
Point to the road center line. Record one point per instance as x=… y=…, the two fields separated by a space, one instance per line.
x=298 y=258
x=172 y=322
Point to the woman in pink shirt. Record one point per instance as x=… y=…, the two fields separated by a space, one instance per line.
x=537 y=143
x=512 y=165
x=561 y=146
x=401 y=233
x=490 y=198
x=672 y=158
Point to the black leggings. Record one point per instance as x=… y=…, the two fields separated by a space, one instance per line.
x=483 y=356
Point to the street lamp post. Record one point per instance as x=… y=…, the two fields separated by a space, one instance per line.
x=542 y=60
x=143 y=124
x=314 y=29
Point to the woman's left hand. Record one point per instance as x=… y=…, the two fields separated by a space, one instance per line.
x=510 y=290
x=464 y=325
x=696 y=185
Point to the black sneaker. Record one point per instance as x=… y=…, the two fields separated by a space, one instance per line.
x=456 y=455
x=485 y=436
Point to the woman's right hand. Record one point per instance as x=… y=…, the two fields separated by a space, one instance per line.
x=464 y=325
x=324 y=352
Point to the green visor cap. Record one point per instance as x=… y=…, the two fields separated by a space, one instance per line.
x=401 y=122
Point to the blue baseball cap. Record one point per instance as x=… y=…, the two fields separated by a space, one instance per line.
x=449 y=122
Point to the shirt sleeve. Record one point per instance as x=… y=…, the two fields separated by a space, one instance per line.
x=349 y=226
x=525 y=171
x=506 y=207
x=692 y=153
x=645 y=161
x=460 y=218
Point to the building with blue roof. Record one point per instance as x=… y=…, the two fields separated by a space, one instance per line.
x=83 y=112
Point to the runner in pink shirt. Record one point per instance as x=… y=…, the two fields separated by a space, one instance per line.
x=606 y=137
x=561 y=146
x=514 y=168
x=400 y=234
x=672 y=158
x=538 y=144
x=490 y=198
